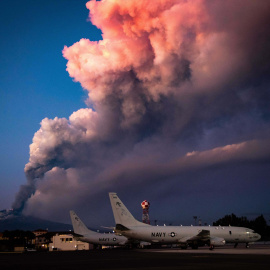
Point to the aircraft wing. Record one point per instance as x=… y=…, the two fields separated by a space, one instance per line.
x=202 y=236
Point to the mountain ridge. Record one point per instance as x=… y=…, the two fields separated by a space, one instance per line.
x=14 y=221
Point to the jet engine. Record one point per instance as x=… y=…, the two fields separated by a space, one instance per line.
x=217 y=242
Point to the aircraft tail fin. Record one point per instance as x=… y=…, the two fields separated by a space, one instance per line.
x=78 y=226
x=121 y=214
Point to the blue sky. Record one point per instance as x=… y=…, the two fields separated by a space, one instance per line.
x=34 y=83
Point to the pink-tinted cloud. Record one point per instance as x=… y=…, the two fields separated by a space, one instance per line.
x=174 y=87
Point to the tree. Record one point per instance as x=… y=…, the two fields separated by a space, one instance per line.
x=259 y=224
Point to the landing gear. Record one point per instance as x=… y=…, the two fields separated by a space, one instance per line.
x=235 y=245
x=211 y=247
x=247 y=245
x=194 y=246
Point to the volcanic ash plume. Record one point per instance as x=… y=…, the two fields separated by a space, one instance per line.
x=169 y=77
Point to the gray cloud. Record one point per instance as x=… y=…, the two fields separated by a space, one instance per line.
x=182 y=94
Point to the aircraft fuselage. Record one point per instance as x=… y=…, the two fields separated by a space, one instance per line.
x=104 y=239
x=179 y=234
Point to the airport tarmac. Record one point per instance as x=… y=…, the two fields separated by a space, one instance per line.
x=255 y=249
x=151 y=259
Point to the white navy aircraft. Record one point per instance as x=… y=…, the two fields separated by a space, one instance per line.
x=86 y=235
x=185 y=236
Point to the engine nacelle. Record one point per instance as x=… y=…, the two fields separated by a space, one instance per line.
x=217 y=242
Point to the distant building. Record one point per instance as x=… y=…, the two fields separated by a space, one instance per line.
x=2 y=237
x=41 y=240
x=39 y=232
x=67 y=242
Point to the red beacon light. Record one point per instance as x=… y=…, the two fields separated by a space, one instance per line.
x=145 y=204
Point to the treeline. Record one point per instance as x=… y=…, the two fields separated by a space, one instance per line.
x=259 y=224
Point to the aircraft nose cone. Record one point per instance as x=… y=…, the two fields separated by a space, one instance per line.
x=258 y=236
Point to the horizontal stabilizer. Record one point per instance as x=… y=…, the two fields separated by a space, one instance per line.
x=110 y=228
x=77 y=235
x=120 y=227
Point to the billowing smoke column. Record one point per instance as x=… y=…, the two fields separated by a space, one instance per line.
x=169 y=87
